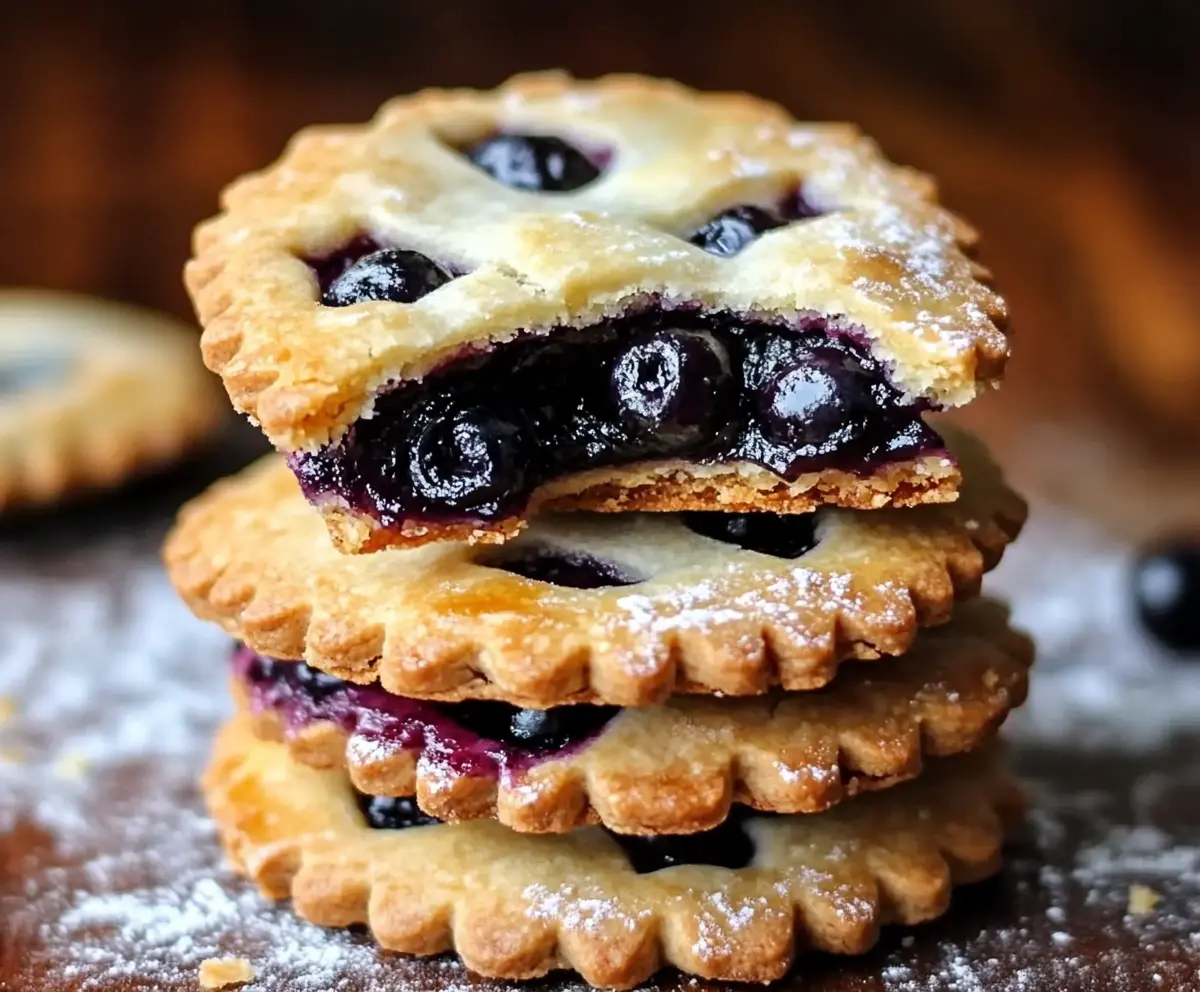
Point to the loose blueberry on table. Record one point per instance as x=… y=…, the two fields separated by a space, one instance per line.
x=1166 y=585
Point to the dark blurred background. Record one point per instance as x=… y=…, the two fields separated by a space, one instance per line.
x=1065 y=129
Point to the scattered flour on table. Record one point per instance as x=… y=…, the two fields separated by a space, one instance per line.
x=1098 y=680
x=139 y=687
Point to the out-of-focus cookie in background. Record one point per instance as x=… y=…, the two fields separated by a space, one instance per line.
x=1065 y=130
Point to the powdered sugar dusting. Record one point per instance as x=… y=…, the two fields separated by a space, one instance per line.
x=121 y=884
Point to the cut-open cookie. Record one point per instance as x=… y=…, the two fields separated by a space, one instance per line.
x=675 y=768
x=93 y=393
x=611 y=295
x=736 y=903
x=615 y=608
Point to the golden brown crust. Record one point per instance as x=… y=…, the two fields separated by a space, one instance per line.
x=516 y=907
x=671 y=487
x=885 y=257
x=432 y=622
x=678 y=767
x=132 y=396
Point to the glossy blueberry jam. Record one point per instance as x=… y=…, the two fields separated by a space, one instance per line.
x=480 y=738
x=727 y=846
x=471 y=441
x=573 y=569
x=536 y=163
x=731 y=230
x=388 y=813
x=777 y=534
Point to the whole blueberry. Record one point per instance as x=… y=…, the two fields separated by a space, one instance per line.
x=533 y=162
x=671 y=385
x=1166 y=586
x=465 y=459
x=387 y=813
x=783 y=535
x=392 y=274
x=822 y=397
x=729 y=232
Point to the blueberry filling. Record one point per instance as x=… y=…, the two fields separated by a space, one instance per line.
x=386 y=274
x=480 y=738
x=537 y=163
x=388 y=813
x=1166 y=586
x=573 y=569
x=727 y=846
x=731 y=230
x=22 y=372
x=784 y=535
x=472 y=440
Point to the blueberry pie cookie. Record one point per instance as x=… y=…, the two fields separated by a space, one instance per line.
x=735 y=903
x=674 y=768
x=92 y=393
x=622 y=609
x=610 y=295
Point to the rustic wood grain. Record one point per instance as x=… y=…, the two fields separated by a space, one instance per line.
x=1066 y=131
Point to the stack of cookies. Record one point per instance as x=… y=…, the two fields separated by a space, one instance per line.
x=604 y=610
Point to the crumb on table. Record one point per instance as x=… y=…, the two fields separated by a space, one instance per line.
x=71 y=765
x=219 y=973
x=1142 y=899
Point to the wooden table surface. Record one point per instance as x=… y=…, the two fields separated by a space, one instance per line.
x=1065 y=131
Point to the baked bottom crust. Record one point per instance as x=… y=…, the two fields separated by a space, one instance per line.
x=517 y=907
x=439 y=622
x=675 y=768
x=92 y=394
x=670 y=487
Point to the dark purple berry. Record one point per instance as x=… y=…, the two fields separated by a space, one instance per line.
x=727 y=846
x=803 y=406
x=388 y=813
x=783 y=535
x=311 y=681
x=671 y=385
x=531 y=730
x=572 y=569
x=392 y=274
x=315 y=682
x=465 y=458
x=1166 y=584
x=533 y=162
x=730 y=232
x=816 y=397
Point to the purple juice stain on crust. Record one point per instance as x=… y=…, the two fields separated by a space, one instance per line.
x=471 y=441
x=487 y=739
